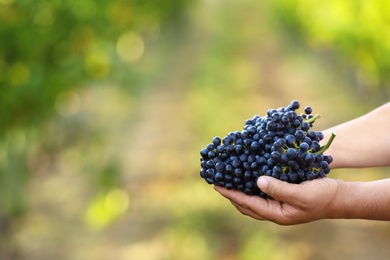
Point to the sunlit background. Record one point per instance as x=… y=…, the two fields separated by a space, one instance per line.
x=105 y=106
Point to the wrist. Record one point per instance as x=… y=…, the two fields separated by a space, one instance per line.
x=353 y=200
x=339 y=205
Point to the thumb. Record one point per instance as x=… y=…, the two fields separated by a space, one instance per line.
x=277 y=189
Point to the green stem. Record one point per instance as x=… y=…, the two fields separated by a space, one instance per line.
x=327 y=145
x=314 y=118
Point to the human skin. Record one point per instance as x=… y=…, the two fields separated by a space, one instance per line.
x=328 y=198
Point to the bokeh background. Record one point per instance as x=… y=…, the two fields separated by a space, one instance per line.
x=105 y=106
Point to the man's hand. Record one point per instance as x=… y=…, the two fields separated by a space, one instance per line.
x=291 y=203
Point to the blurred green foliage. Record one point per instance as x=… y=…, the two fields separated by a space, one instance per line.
x=357 y=33
x=50 y=49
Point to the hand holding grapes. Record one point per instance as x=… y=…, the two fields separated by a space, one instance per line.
x=291 y=203
x=323 y=198
x=362 y=142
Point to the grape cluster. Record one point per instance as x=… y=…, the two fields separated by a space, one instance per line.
x=280 y=144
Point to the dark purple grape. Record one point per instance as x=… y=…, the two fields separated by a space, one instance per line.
x=294 y=104
x=304 y=147
x=283 y=177
x=290 y=140
x=218 y=177
x=238 y=172
x=320 y=135
x=308 y=110
x=255 y=146
x=305 y=126
x=210 y=164
x=216 y=141
x=291 y=153
x=204 y=153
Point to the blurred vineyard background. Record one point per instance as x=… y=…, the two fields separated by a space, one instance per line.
x=106 y=104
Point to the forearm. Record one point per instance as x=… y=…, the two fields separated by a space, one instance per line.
x=362 y=200
x=362 y=142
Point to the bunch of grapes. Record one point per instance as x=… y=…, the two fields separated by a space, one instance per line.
x=280 y=144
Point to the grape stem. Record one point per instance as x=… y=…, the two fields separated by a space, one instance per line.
x=327 y=145
x=314 y=118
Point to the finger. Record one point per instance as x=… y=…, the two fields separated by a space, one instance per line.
x=255 y=206
x=231 y=194
x=244 y=203
x=240 y=197
x=271 y=210
x=247 y=211
x=279 y=190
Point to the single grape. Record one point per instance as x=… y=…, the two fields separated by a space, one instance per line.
x=216 y=141
x=218 y=177
x=308 y=110
x=291 y=153
x=210 y=164
x=290 y=140
x=238 y=172
x=283 y=177
x=304 y=147
x=204 y=153
x=294 y=104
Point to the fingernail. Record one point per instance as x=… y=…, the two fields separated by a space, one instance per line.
x=262 y=183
